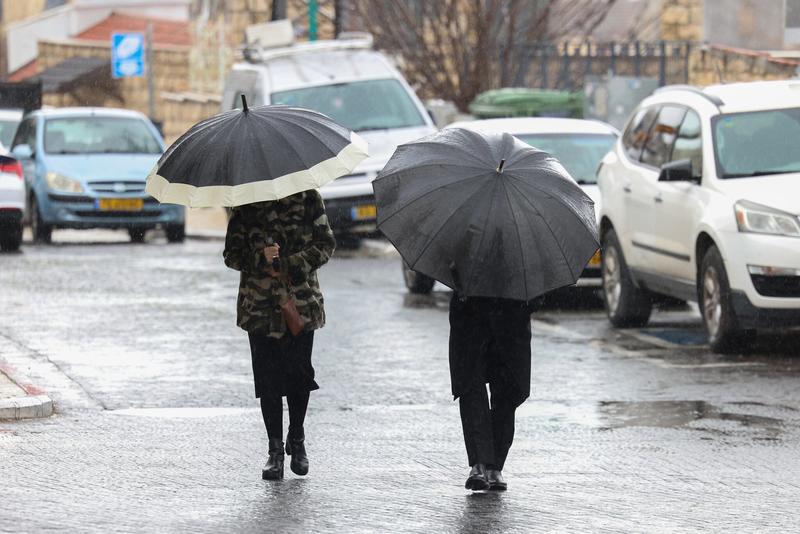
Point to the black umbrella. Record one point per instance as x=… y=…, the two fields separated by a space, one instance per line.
x=254 y=154
x=486 y=215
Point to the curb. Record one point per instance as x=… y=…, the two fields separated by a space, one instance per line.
x=207 y=235
x=35 y=404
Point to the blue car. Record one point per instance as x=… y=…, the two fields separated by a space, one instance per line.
x=86 y=168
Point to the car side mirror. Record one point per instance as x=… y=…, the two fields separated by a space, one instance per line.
x=677 y=171
x=22 y=152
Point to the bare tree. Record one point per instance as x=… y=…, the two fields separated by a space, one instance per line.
x=455 y=49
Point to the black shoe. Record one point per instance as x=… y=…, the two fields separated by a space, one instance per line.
x=296 y=448
x=477 y=478
x=273 y=470
x=496 y=480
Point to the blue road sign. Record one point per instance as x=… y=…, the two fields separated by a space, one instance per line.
x=127 y=55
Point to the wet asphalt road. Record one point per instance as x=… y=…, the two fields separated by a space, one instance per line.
x=157 y=428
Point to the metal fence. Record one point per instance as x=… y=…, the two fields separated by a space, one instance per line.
x=565 y=66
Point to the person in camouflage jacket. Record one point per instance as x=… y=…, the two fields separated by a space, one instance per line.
x=278 y=246
x=299 y=226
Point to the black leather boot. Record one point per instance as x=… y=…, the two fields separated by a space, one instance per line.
x=496 y=480
x=273 y=470
x=296 y=448
x=477 y=480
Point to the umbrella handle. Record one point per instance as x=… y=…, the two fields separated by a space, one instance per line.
x=276 y=263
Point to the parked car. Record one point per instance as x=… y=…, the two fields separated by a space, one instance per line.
x=700 y=202
x=580 y=146
x=9 y=121
x=12 y=202
x=86 y=168
x=356 y=86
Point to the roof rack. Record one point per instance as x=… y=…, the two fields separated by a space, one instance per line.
x=714 y=99
x=347 y=41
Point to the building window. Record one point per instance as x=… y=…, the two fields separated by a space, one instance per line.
x=791 y=32
x=50 y=4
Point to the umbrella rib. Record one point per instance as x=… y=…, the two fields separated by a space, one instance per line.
x=519 y=239
x=563 y=255
x=434 y=236
x=421 y=196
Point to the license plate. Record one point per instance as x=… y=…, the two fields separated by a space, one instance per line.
x=368 y=211
x=595 y=261
x=120 y=204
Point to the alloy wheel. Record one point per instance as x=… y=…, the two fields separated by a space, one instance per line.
x=712 y=301
x=612 y=288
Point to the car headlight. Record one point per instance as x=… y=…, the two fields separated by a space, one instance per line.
x=755 y=218
x=59 y=182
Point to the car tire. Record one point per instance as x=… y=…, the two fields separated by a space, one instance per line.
x=176 y=233
x=725 y=335
x=626 y=305
x=11 y=238
x=42 y=232
x=417 y=283
x=137 y=234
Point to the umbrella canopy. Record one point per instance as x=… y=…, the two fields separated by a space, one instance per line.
x=486 y=215
x=254 y=154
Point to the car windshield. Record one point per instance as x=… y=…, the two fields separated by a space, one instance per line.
x=7 y=131
x=99 y=135
x=359 y=106
x=757 y=143
x=580 y=154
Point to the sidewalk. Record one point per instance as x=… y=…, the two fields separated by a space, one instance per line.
x=19 y=399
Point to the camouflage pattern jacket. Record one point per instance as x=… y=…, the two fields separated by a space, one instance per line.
x=299 y=225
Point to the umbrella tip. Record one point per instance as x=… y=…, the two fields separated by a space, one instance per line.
x=244 y=104
x=499 y=167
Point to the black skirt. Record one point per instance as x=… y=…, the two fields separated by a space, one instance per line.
x=282 y=366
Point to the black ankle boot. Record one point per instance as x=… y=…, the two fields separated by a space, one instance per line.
x=477 y=480
x=296 y=448
x=273 y=470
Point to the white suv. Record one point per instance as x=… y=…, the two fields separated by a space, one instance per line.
x=701 y=201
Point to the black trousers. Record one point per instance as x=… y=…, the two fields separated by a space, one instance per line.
x=490 y=343
x=488 y=428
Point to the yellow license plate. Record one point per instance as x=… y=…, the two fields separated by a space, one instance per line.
x=595 y=261
x=367 y=211
x=120 y=204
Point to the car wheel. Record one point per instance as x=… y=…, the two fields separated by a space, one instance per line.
x=417 y=283
x=42 y=233
x=714 y=298
x=137 y=234
x=11 y=238
x=626 y=305
x=176 y=233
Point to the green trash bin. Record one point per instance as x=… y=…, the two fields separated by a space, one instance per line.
x=521 y=102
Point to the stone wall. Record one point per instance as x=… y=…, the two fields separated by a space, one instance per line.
x=182 y=110
x=682 y=20
x=171 y=71
x=714 y=64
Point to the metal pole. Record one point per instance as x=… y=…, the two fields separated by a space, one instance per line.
x=312 y=20
x=662 y=64
x=637 y=61
x=151 y=102
x=338 y=17
x=278 y=9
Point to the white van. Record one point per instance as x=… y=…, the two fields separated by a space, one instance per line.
x=357 y=87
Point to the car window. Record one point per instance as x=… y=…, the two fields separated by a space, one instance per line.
x=636 y=133
x=7 y=130
x=658 y=143
x=757 y=143
x=689 y=143
x=245 y=83
x=26 y=134
x=358 y=106
x=579 y=153
x=99 y=135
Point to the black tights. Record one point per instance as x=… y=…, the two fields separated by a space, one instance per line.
x=272 y=411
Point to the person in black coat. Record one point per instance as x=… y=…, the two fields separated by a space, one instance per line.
x=490 y=343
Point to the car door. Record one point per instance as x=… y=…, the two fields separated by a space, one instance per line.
x=678 y=205
x=656 y=151
x=633 y=189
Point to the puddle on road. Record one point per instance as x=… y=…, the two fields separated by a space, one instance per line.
x=698 y=415
x=689 y=415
